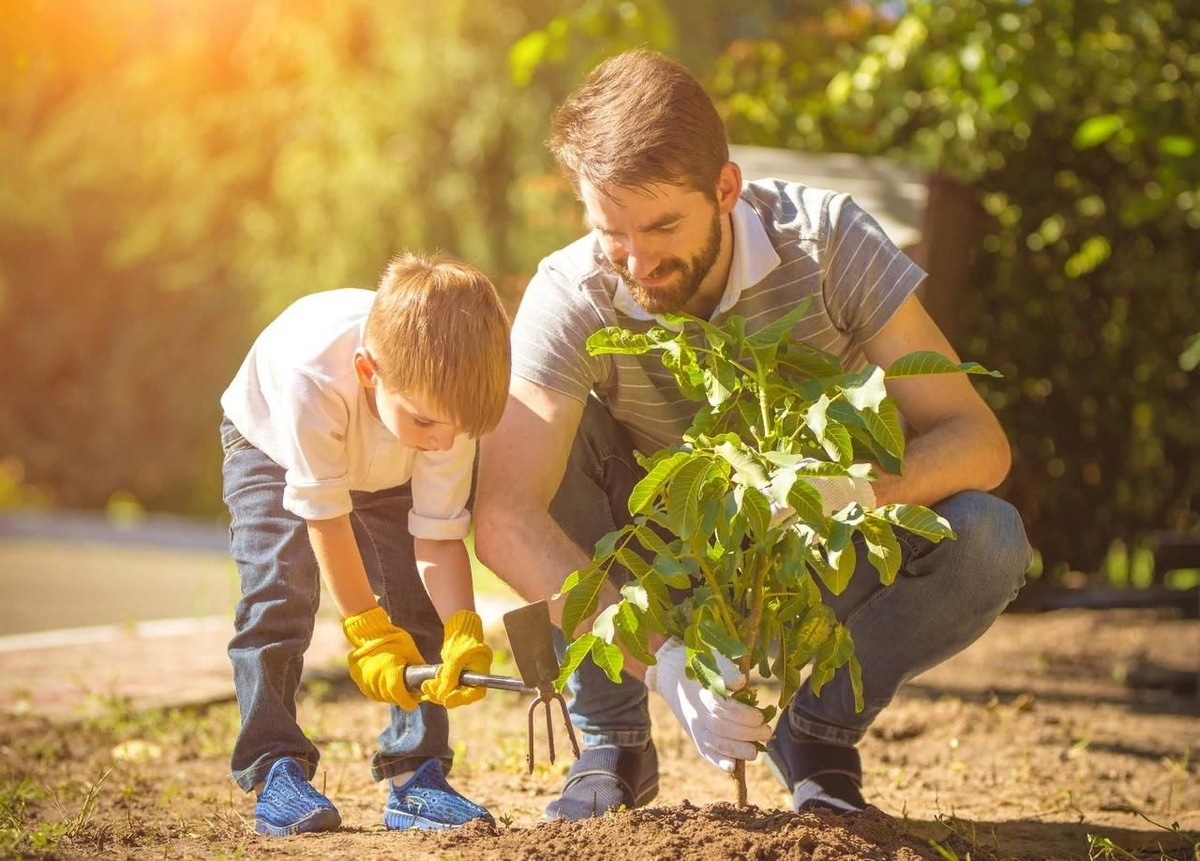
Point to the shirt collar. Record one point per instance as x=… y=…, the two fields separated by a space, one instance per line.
x=754 y=257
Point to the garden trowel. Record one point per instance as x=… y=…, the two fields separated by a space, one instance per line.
x=530 y=636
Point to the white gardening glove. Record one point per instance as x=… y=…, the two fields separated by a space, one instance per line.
x=722 y=729
x=837 y=491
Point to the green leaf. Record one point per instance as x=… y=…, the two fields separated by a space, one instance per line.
x=856 y=684
x=746 y=469
x=651 y=540
x=842 y=557
x=868 y=392
x=814 y=629
x=883 y=550
x=644 y=492
x=632 y=634
x=614 y=339
x=604 y=626
x=707 y=674
x=673 y=572
x=635 y=594
x=805 y=498
x=634 y=564
x=809 y=362
x=774 y=332
x=1177 y=146
x=658 y=601
x=713 y=634
x=581 y=602
x=816 y=418
x=928 y=362
x=838 y=444
x=683 y=495
x=918 y=519
x=576 y=652
x=1096 y=130
x=755 y=508
x=884 y=426
x=608 y=657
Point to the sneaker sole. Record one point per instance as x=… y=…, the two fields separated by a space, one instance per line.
x=324 y=819
x=400 y=820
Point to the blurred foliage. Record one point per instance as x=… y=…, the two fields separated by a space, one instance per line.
x=176 y=173
x=1077 y=124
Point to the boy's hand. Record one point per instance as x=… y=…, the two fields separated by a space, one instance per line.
x=381 y=652
x=462 y=649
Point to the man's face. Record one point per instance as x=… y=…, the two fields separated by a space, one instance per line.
x=662 y=240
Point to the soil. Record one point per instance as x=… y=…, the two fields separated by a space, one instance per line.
x=1031 y=744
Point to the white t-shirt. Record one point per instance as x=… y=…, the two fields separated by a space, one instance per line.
x=297 y=399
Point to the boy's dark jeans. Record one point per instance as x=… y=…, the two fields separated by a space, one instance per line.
x=281 y=588
x=944 y=598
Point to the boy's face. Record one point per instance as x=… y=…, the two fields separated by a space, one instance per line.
x=662 y=240
x=413 y=420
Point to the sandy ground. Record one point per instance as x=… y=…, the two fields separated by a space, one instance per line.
x=1031 y=744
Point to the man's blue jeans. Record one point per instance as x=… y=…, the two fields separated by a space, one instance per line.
x=945 y=597
x=273 y=624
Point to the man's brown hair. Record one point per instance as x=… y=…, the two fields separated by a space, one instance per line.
x=437 y=329
x=640 y=118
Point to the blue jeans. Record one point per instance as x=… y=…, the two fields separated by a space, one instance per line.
x=273 y=624
x=944 y=598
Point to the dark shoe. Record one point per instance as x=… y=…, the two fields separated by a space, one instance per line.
x=607 y=777
x=819 y=775
x=289 y=804
x=426 y=800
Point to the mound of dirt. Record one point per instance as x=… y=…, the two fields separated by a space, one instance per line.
x=686 y=831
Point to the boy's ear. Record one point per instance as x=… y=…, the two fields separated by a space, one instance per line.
x=364 y=369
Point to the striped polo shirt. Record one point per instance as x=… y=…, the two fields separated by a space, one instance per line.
x=789 y=242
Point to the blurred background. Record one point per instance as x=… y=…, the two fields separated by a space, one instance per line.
x=175 y=172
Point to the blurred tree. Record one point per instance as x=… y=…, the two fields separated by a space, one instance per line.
x=177 y=173
x=1077 y=122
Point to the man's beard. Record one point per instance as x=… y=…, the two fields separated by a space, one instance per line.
x=673 y=297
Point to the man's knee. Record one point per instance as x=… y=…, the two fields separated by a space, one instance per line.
x=991 y=546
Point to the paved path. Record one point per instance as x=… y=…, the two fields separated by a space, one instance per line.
x=77 y=672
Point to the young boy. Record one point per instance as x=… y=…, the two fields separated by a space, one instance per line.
x=349 y=439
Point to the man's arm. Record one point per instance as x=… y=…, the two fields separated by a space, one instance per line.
x=957 y=443
x=521 y=465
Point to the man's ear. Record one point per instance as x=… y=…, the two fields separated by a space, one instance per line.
x=364 y=368
x=729 y=187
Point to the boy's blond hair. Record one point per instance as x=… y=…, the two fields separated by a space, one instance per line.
x=437 y=330
x=640 y=118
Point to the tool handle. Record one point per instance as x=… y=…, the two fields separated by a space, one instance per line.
x=415 y=674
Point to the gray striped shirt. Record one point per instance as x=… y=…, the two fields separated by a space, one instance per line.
x=790 y=242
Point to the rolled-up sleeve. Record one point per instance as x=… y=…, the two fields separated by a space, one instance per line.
x=311 y=437
x=441 y=485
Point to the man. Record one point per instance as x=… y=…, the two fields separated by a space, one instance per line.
x=674 y=228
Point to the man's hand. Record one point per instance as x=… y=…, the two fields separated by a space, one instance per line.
x=381 y=652
x=723 y=729
x=836 y=493
x=462 y=649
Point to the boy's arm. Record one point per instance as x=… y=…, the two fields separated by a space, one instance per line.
x=381 y=650
x=341 y=565
x=445 y=570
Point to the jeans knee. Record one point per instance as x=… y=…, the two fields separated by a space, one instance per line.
x=991 y=538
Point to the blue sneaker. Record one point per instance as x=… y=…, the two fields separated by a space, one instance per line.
x=289 y=804
x=426 y=800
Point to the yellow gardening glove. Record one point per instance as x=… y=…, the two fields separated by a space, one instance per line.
x=462 y=649
x=381 y=652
